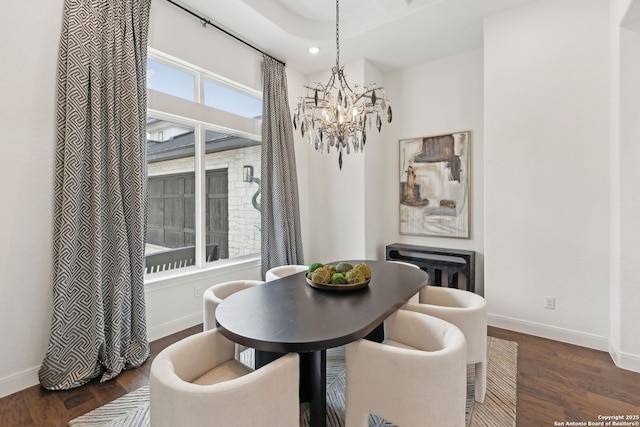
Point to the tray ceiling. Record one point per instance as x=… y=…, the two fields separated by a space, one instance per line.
x=391 y=34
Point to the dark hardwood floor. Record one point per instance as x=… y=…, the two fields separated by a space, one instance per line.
x=557 y=382
x=38 y=407
x=560 y=382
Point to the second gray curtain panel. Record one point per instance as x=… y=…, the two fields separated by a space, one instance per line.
x=281 y=237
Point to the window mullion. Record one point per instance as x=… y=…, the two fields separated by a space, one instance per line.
x=200 y=199
x=199 y=88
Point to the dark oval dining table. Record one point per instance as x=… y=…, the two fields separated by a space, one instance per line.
x=289 y=315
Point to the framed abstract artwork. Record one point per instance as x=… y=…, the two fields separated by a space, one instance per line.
x=434 y=185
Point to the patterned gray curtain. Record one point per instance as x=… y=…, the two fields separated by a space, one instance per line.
x=281 y=239
x=98 y=324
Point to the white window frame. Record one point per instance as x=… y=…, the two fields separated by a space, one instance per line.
x=200 y=117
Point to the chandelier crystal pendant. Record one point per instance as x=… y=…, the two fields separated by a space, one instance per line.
x=334 y=115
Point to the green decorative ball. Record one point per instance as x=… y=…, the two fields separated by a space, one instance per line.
x=338 y=279
x=354 y=276
x=321 y=275
x=332 y=269
x=314 y=266
x=343 y=267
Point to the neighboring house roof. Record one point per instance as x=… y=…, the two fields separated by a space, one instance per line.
x=183 y=145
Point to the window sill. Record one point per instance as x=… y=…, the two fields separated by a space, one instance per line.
x=169 y=278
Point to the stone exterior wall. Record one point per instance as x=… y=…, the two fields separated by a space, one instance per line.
x=244 y=219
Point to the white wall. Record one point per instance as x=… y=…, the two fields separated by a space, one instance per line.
x=547 y=169
x=27 y=104
x=438 y=97
x=374 y=221
x=628 y=312
x=624 y=343
x=336 y=198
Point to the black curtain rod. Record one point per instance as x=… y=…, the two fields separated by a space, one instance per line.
x=206 y=22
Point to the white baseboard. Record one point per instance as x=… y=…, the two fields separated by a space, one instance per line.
x=630 y=362
x=19 y=381
x=569 y=336
x=177 y=325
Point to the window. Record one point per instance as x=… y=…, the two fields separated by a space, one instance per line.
x=198 y=193
x=170 y=80
x=227 y=99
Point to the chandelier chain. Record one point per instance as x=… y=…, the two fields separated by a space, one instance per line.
x=337 y=34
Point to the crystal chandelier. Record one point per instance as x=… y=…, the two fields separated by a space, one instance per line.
x=334 y=115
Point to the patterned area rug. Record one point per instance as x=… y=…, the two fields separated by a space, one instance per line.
x=497 y=410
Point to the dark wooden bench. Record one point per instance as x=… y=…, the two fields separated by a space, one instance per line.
x=436 y=262
x=177 y=258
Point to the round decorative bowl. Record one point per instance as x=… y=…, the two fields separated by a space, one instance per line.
x=330 y=287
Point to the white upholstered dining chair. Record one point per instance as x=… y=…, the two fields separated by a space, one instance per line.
x=284 y=270
x=415 y=377
x=197 y=382
x=468 y=311
x=214 y=295
x=416 y=298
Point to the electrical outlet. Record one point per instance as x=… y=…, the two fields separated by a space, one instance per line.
x=550 y=303
x=197 y=292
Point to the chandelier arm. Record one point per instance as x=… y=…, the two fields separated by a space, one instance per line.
x=343 y=81
x=331 y=82
x=368 y=94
